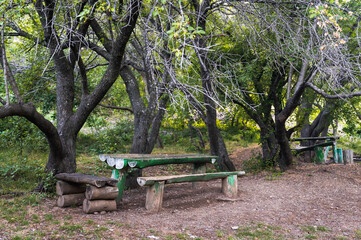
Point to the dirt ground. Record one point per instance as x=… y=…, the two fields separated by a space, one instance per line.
x=307 y=202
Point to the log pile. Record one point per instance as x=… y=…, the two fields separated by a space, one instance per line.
x=96 y=194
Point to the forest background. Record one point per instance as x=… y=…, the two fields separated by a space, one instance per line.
x=82 y=78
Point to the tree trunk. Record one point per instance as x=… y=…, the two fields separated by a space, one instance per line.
x=269 y=146
x=147 y=121
x=285 y=156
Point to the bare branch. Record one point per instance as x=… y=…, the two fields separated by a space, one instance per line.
x=117 y=108
x=336 y=96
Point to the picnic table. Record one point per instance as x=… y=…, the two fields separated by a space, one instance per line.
x=123 y=163
x=318 y=146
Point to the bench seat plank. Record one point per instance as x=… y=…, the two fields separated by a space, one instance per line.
x=306 y=148
x=87 y=179
x=147 y=181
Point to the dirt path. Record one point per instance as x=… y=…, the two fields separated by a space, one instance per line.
x=308 y=202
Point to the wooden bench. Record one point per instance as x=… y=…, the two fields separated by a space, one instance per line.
x=94 y=193
x=321 y=154
x=155 y=185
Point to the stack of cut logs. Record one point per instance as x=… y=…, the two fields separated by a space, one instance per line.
x=96 y=194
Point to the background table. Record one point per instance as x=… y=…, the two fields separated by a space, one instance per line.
x=328 y=141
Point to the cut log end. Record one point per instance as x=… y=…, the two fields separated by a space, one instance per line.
x=141 y=182
x=64 y=188
x=104 y=193
x=132 y=164
x=99 y=205
x=70 y=200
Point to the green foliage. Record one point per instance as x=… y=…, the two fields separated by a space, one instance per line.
x=19 y=176
x=19 y=135
x=256 y=164
x=108 y=140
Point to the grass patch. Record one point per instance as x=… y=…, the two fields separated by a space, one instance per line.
x=258 y=231
x=358 y=234
x=71 y=228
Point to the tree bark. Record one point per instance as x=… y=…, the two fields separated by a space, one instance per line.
x=216 y=141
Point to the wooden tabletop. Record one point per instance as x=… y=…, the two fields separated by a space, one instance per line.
x=120 y=161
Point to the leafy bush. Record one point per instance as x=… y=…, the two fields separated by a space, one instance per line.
x=20 y=136
x=257 y=164
x=20 y=176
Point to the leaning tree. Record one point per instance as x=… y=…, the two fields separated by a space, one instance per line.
x=75 y=34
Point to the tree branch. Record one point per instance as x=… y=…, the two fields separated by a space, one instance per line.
x=117 y=108
x=101 y=35
x=328 y=96
x=2 y=101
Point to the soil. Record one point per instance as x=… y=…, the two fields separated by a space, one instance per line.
x=306 y=202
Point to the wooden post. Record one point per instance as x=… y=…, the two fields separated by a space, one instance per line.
x=99 y=205
x=339 y=155
x=334 y=151
x=326 y=153
x=198 y=168
x=103 y=193
x=229 y=186
x=64 y=188
x=70 y=199
x=348 y=156
x=154 y=197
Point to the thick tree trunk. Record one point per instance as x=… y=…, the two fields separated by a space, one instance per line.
x=285 y=155
x=270 y=146
x=147 y=120
x=216 y=141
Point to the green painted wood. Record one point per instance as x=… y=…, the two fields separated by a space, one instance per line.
x=154 y=197
x=230 y=186
x=121 y=176
x=327 y=149
x=334 y=151
x=319 y=155
x=148 y=181
x=339 y=155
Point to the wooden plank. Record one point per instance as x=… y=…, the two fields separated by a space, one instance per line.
x=154 y=198
x=87 y=179
x=63 y=188
x=147 y=160
x=147 y=181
